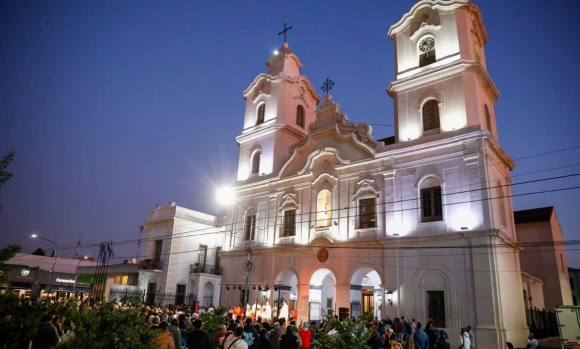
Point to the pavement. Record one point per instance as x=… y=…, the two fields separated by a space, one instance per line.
x=552 y=343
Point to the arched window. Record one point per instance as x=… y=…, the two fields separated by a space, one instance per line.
x=256 y=163
x=300 y=116
x=430 y=115
x=367 y=215
x=431 y=200
x=487 y=117
x=323 y=209
x=261 y=113
x=502 y=207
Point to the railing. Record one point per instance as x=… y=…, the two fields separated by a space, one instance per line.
x=148 y=264
x=542 y=323
x=197 y=268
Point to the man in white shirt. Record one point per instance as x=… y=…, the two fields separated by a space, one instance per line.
x=532 y=342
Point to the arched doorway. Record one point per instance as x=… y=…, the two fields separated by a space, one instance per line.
x=322 y=294
x=285 y=289
x=207 y=294
x=365 y=292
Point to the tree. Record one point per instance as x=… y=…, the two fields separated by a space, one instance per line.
x=5 y=254
x=213 y=322
x=345 y=334
x=4 y=174
x=39 y=252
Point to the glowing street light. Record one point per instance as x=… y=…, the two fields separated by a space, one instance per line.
x=77 y=272
x=36 y=236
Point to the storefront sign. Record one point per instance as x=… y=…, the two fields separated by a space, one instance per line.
x=66 y=281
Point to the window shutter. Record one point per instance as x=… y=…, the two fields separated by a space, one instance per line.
x=430 y=115
x=427 y=58
x=300 y=116
x=256 y=163
x=261 y=113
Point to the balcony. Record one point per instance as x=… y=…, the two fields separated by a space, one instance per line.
x=149 y=264
x=197 y=268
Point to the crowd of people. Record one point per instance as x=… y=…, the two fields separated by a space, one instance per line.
x=180 y=328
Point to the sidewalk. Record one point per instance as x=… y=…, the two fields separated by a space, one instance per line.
x=552 y=343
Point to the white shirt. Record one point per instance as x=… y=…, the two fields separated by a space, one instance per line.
x=465 y=340
x=533 y=343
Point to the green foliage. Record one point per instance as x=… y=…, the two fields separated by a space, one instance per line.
x=344 y=334
x=102 y=327
x=212 y=323
x=4 y=174
x=5 y=254
x=108 y=326
x=18 y=320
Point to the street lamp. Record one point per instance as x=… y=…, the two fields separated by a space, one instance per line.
x=77 y=272
x=36 y=236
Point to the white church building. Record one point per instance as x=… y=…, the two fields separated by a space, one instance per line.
x=335 y=221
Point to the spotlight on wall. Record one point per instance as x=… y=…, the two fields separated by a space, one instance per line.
x=240 y=287
x=227 y=288
x=275 y=287
x=266 y=288
x=253 y=288
x=464 y=228
x=260 y=288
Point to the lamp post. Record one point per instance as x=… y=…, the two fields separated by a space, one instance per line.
x=77 y=272
x=227 y=196
x=36 y=236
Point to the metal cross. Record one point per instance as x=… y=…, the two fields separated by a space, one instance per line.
x=327 y=86
x=284 y=31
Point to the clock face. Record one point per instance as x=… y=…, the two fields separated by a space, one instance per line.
x=427 y=44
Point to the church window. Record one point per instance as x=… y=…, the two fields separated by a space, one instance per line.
x=436 y=307
x=289 y=223
x=261 y=114
x=157 y=248
x=256 y=163
x=487 y=117
x=323 y=209
x=367 y=213
x=430 y=115
x=427 y=48
x=431 y=204
x=250 y=227
x=300 y=116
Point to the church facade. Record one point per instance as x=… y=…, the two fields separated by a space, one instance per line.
x=334 y=221
x=418 y=225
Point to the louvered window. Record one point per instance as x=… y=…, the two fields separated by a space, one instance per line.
x=431 y=204
x=261 y=113
x=427 y=58
x=430 y=113
x=256 y=163
x=289 y=223
x=300 y=116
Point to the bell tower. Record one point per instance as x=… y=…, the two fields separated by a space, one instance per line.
x=280 y=105
x=441 y=82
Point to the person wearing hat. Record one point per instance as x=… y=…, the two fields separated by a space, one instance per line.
x=164 y=338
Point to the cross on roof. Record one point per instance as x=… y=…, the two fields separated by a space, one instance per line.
x=284 y=31
x=327 y=86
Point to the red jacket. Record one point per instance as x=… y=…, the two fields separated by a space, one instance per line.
x=305 y=337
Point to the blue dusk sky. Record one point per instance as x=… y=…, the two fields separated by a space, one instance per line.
x=115 y=106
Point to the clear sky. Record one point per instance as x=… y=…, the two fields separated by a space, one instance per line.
x=115 y=106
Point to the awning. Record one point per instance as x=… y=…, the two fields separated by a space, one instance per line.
x=19 y=285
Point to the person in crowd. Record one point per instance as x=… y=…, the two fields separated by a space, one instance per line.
x=198 y=338
x=433 y=335
x=420 y=338
x=175 y=332
x=164 y=338
x=443 y=341
x=57 y=325
x=46 y=336
x=407 y=341
x=464 y=339
x=264 y=342
x=305 y=336
x=251 y=336
x=532 y=342
x=235 y=341
x=374 y=340
x=274 y=336
x=155 y=323
x=221 y=336
x=393 y=342
x=471 y=337
x=289 y=340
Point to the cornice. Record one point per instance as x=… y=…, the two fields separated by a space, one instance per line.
x=444 y=72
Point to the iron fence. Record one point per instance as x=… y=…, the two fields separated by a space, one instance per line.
x=152 y=298
x=542 y=323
